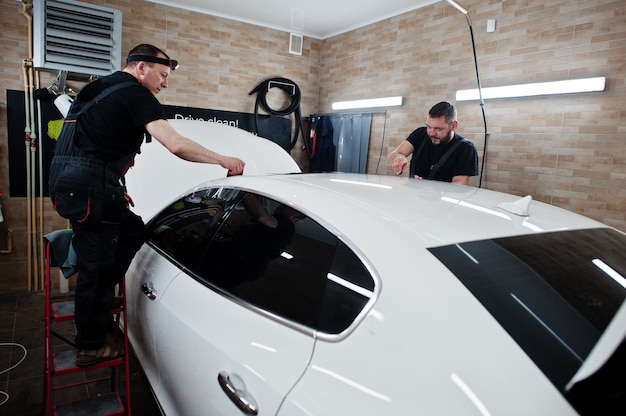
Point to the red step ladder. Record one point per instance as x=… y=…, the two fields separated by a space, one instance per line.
x=62 y=363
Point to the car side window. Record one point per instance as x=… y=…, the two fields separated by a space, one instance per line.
x=349 y=288
x=269 y=256
x=183 y=229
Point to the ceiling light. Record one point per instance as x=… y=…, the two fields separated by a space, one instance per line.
x=535 y=89
x=368 y=103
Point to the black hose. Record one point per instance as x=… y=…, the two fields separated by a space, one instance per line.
x=292 y=89
x=482 y=103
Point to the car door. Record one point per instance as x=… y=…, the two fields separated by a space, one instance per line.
x=227 y=341
x=148 y=276
x=208 y=344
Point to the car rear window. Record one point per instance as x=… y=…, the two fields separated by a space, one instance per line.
x=554 y=293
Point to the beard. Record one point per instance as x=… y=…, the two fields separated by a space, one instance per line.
x=439 y=141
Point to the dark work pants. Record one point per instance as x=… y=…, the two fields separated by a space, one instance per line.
x=104 y=250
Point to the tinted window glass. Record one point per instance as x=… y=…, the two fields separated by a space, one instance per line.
x=348 y=289
x=183 y=230
x=554 y=293
x=266 y=254
x=281 y=268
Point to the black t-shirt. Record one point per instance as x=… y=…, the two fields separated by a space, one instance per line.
x=463 y=160
x=114 y=127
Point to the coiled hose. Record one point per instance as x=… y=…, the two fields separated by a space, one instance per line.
x=293 y=91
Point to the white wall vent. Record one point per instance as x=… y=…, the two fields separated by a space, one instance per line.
x=295 y=44
x=76 y=37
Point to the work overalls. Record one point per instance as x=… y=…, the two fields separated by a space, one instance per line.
x=106 y=234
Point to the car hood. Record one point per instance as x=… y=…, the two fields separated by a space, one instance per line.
x=158 y=176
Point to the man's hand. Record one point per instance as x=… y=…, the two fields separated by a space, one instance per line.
x=399 y=163
x=234 y=165
x=398 y=158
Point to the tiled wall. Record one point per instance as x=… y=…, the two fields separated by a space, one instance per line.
x=568 y=151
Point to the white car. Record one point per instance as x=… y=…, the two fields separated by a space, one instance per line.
x=366 y=295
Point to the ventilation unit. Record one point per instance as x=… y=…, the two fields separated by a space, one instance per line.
x=295 y=44
x=76 y=37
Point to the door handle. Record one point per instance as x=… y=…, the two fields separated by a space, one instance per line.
x=236 y=391
x=149 y=291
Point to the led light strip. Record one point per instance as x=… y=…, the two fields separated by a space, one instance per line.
x=541 y=88
x=368 y=103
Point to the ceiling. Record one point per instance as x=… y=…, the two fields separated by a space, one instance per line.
x=314 y=18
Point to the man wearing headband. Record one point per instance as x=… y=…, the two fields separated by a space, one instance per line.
x=87 y=177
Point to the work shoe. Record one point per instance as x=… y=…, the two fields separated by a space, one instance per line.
x=105 y=353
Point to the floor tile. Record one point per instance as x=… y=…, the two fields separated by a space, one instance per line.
x=22 y=322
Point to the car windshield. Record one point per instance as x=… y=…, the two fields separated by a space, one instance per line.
x=554 y=293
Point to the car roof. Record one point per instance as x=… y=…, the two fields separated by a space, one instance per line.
x=427 y=213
